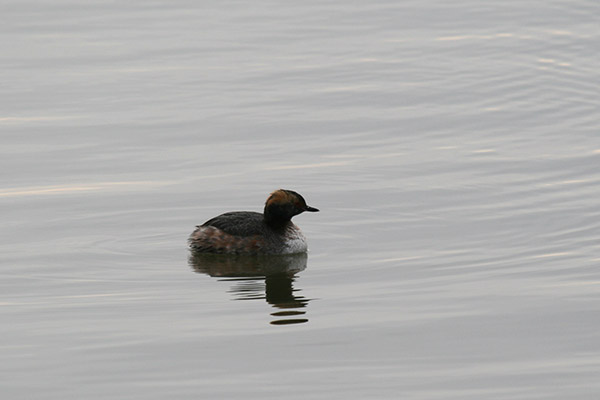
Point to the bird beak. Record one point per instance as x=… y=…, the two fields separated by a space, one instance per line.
x=312 y=209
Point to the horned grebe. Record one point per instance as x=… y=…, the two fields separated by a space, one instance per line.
x=272 y=232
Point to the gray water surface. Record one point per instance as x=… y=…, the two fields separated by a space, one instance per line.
x=452 y=148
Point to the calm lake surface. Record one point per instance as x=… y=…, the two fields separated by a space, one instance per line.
x=452 y=148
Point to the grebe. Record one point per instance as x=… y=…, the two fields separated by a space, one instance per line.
x=247 y=232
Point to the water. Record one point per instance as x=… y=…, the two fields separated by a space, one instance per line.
x=453 y=150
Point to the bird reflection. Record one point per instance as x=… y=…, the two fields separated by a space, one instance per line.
x=259 y=277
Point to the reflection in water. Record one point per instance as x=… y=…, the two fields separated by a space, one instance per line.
x=259 y=277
